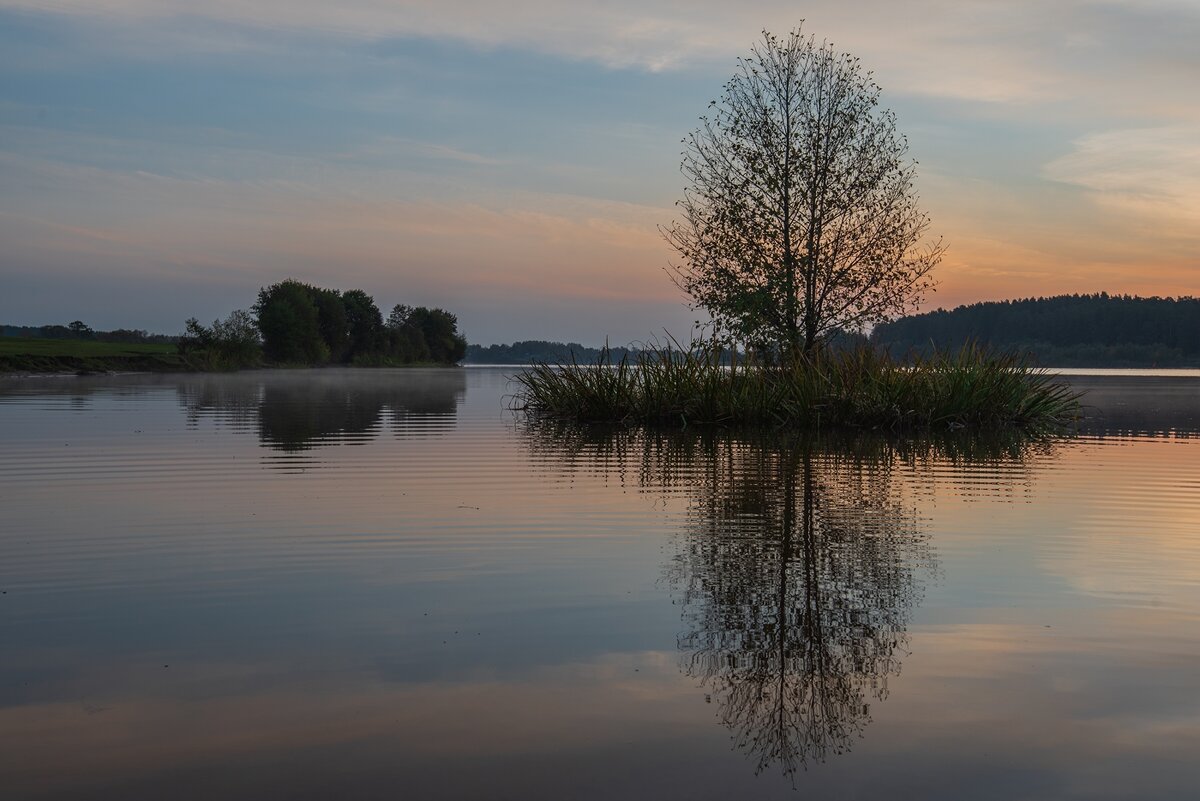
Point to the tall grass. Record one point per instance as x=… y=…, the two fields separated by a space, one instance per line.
x=862 y=388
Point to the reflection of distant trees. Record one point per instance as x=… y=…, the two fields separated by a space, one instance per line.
x=797 y=570
x=302 y=410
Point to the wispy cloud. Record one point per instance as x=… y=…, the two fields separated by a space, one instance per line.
x=1019 y=51
x=398 y=148
x=570 y=246
x=1153 y=172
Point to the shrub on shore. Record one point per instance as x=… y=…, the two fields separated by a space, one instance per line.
x=858 y=388
x=229 y=344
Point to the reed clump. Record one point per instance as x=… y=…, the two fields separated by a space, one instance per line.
x=861 y=388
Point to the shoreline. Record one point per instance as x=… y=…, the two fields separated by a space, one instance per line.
x=183 y=370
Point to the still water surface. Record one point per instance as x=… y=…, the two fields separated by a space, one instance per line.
x=380 y=584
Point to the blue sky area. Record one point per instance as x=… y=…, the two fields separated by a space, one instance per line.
x=160 y=160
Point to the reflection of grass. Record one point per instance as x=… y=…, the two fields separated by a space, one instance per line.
x=606 y=443
x=862 y=388
x=58 y=355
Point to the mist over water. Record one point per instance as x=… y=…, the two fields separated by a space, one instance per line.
x=380 y=583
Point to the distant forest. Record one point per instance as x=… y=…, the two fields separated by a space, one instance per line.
x=1099 y=330
x=536 y=350
x=540 y=350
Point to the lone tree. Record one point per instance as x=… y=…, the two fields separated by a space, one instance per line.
x=800 y=218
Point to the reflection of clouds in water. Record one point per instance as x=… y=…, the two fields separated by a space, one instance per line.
x=798 y=568
x=295 y=411
x=140 y=740
x=1136 y=538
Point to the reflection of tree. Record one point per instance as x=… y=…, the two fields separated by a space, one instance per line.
x=295 y=417
x=797 y=574
x=797 y=569
x=305 y=409
x=230 y=399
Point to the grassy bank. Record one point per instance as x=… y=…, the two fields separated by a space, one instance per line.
x=861 y=388
x=19 y=355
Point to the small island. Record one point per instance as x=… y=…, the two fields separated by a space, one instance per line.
x=800 y=225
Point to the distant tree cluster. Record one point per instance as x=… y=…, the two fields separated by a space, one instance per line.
x=304 y=324
x=80 y=330
x=1065 y=330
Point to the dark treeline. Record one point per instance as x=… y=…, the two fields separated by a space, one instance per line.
x=1067 y=330
x=293 y=323
x=80 y=330
x=537 y=350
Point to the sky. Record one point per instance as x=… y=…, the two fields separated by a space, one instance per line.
x=513 y=162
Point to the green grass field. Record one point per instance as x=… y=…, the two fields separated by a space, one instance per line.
x=19 y=355
x=79 y=348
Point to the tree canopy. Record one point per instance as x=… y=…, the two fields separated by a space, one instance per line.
x=800 y=217
x=304 y=324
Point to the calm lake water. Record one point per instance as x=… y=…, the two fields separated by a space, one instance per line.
x=380 y=584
